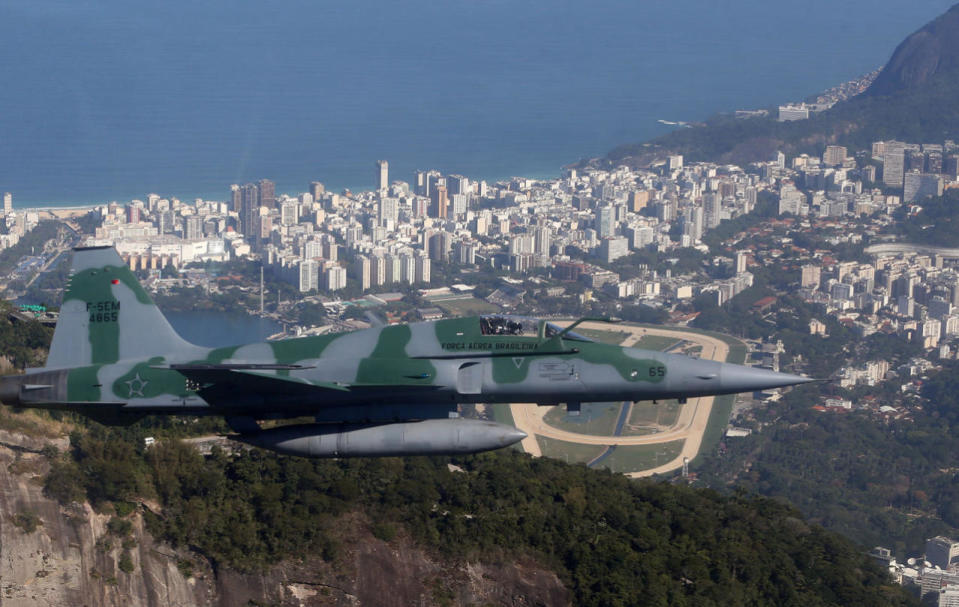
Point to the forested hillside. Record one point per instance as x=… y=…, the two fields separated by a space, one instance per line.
x=612 y=540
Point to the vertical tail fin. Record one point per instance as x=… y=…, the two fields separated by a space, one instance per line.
x=106 y=315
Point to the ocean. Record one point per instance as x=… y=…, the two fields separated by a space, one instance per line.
x=106 y=100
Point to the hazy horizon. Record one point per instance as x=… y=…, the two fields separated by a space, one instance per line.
x=109 y=101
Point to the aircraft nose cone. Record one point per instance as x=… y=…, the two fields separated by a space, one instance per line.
x=737 y=378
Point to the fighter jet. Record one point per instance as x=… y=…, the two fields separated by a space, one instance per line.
x=383 y=391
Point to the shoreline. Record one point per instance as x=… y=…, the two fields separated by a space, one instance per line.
x=53 y=208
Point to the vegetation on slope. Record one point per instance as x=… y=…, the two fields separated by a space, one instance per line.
x=23 y=343
x=936 y=224
x=614 y=541
x=879 y=483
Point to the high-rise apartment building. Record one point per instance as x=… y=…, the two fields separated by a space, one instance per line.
x=422 y=268
x=439 y=203
x=893 y=164
x=248 y=209
x=810 y=277
x=289 y=213
x=388 y=210
x=834 y=155
x=542 y=239
x=942 y=552
x=605 y=221
x=382 y=175
x=334 y=277
x=317 y=190
x=712 y=208
x=637 y=200
x=362 y=268
x=917 y=186
x=377 y=271
x=193 y=227
x=309 y=275
x=421 y=183
x=267 y=193
x=458 y=184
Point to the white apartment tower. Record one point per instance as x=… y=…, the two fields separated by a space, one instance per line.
x=382 y=175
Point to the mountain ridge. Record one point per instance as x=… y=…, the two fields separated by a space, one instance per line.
x=912 y=99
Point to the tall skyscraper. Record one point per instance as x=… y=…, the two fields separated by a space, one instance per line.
x=7 y=203
x=638 y=200
x=893 y=164
x=920 y=185
x=267 y=190
x=309 y=275
x=712 y=206
x=235 y=199
x=382 y=175
x=741 y=259
x=377 y=270
x=439 y=245
x=317 y=190
x=193 y=227
x=605 y=221
x=457 y=184
x=422 y=268
x=541 y=240
x=334 y=277
x=459 y=204
x=361 y=271
x=389 y=210
x=421 y=183
x=248 y=209
x=834 y=155
x=289 y=213
x=438 y=202
x=433 y=179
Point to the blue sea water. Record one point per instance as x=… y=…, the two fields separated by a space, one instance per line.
x=110 y=100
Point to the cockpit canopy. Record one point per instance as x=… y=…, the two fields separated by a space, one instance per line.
x=522 y=326
x=497 y=324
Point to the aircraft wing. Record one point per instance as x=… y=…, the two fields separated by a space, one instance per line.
x=235 y=384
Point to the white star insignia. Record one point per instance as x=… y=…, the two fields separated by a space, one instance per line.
x=136 y=386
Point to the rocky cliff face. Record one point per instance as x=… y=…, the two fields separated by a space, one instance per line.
x=71 y=558
x=930 y=52
x=55 y=555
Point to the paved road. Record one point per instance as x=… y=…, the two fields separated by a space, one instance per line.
x=690 y=425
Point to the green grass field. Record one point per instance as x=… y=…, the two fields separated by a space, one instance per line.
x=597 y=419
x=625 y=459
x=645 y=413
x=655 y=342
x=571 y=452
x=603 y=335
x=466 y=307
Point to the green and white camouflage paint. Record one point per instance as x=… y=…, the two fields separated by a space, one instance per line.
x=116 y=358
